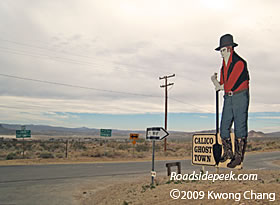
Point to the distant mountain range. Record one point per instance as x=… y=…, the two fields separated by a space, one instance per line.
x=10 y=129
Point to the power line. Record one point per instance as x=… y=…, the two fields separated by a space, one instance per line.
x=97 y=89
x=144 y=69
x=72 y=61
x=75 y=86
x=50 y=57
x=180 y=101
x=101 y=65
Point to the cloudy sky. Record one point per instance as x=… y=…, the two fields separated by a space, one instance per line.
x=97 y=63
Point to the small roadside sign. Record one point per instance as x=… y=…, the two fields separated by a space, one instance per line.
x=202 y=149
x=133 y=136
x=23 y=133
x=105 y=133
x=156 y=133
x=203 y=152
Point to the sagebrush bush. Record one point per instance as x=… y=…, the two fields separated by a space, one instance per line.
x=12 y=155
x=123 y=147
x=78 y=146
x=59 y=155
x=46 y=155
x=142 y=148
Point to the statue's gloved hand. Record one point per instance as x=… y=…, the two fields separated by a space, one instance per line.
x=216 y=82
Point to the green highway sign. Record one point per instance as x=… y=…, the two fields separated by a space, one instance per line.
x=105 y=132
x=23 y=133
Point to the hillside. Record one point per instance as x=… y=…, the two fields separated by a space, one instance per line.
x=253 y=133
x=10 y=129
x=6 y=131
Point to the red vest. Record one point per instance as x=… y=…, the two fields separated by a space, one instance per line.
x=235 y=76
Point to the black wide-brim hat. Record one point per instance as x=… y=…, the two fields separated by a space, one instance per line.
x=226 y=40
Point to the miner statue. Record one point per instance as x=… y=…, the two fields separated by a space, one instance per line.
x=234 y=80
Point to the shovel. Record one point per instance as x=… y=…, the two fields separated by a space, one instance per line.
x=217 y=148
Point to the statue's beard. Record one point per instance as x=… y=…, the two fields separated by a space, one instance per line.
x=226 y=56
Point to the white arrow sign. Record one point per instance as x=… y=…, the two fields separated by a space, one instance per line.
x=156 y=133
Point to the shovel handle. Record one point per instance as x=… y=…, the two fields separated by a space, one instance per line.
x=217 y=111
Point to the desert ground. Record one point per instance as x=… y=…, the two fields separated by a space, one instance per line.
x=59 y=150
x=138 y=190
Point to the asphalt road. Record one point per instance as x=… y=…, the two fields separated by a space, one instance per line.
x=56 y=184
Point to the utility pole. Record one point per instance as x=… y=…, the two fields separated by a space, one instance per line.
x=66 y=149
x=165 y=86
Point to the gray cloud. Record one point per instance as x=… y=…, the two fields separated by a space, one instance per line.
x=111 y=45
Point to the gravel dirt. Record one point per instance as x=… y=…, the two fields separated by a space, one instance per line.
x=138 y=191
